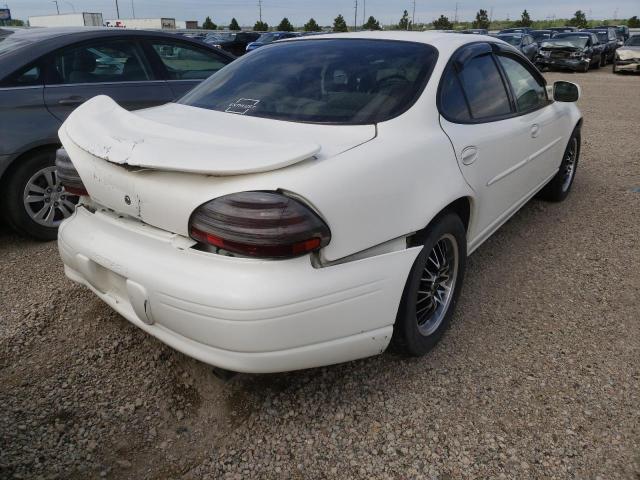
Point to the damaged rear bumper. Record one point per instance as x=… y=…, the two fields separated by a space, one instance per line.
x=239 y=314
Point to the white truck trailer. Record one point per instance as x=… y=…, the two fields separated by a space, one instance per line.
x=84 y=19
x=143 y=23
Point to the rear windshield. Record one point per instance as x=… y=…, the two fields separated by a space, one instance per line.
x=11 y=43
x=633 y=41
x=540 y=35
x=569 y=41
x=342 y=81
x=511 y=39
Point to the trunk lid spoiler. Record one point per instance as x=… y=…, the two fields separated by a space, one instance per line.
x=223 y=144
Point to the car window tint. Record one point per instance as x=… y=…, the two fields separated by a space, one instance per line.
x=26 y=77
x=452 y=102
x=528 y=92
x=101 y=61
x=484 y=88
x=186 y=62
x=345 y=81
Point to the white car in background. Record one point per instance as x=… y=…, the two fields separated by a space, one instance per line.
x=315 y=200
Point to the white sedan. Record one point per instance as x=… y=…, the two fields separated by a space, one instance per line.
x=314 y=201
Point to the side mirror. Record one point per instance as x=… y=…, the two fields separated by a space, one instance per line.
x=565 y=92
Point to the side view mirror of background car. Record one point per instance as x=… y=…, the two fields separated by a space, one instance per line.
x=566 y=92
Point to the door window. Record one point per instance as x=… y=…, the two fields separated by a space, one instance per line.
x=101 y=61
x=187 y=62
x=529 y=93
x=484 y=88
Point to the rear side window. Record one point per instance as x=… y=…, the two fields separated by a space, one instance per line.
x=452 y=98
x=187 y=62
x=340 y=81
x=530 y=95
x=104 y=60
x=25 y=77
x=484 y=89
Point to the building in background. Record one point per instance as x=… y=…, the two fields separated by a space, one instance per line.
x=84 y=19
x=145 y=23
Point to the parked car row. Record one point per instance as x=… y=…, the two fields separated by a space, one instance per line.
x=568 y=47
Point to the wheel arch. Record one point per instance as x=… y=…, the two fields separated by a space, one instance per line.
x=462 y=206
x=7 y=168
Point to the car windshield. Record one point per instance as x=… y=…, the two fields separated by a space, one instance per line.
x=511 y=39
x=572 y=41
x=540 y=35
x=633 y=41
x=342 y=81
x=221 y=37
x=269 y=37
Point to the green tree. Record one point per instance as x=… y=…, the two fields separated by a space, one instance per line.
x=404 y=23
x=234 y=25
x=208 y=24
x=261 y=26
x=312 y=26
x=482 y=19
x=372 y=24
x=442 y=23
x=579 y=20
x=285 y=25
x=339 y=24
x=525 y=20
x=633 y=22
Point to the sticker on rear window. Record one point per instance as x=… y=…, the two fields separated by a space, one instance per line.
x=242 y=106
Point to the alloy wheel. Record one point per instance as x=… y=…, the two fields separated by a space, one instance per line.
x=437 y=284
x=45 y=199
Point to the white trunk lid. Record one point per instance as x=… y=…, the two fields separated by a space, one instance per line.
x=160 y=164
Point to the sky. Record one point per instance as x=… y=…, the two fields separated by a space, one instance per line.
x=324 y=11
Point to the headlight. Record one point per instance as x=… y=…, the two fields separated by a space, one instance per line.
x=576 y=54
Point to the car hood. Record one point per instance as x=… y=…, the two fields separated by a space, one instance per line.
x=628 y=52
x=182 y=138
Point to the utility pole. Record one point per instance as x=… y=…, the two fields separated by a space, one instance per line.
x=364 y=11
x=117 y=10
x=57 y=8
x=413 y=16
x=455 y=16
x=133 y=10
x=355 y=20
x=260 y=9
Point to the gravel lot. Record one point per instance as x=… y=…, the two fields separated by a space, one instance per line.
x=539 y=376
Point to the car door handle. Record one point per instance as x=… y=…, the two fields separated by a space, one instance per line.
x=535 y=130
x=70 y=101
x=469 y=155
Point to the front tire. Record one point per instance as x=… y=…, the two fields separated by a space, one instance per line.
x=560 y=185
x=433 y=287
x=34 y=202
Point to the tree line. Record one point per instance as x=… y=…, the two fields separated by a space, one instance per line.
x=481 y=21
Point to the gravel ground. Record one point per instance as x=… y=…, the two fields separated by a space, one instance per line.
x=537 y=378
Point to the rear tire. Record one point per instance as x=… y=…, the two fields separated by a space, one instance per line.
x=560 y=185
x=433 y=287
x=34 y=202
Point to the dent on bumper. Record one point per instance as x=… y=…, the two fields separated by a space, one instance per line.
x=240 y=314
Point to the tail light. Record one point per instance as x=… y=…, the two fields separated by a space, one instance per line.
x=68 y=175
x=259 y=224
